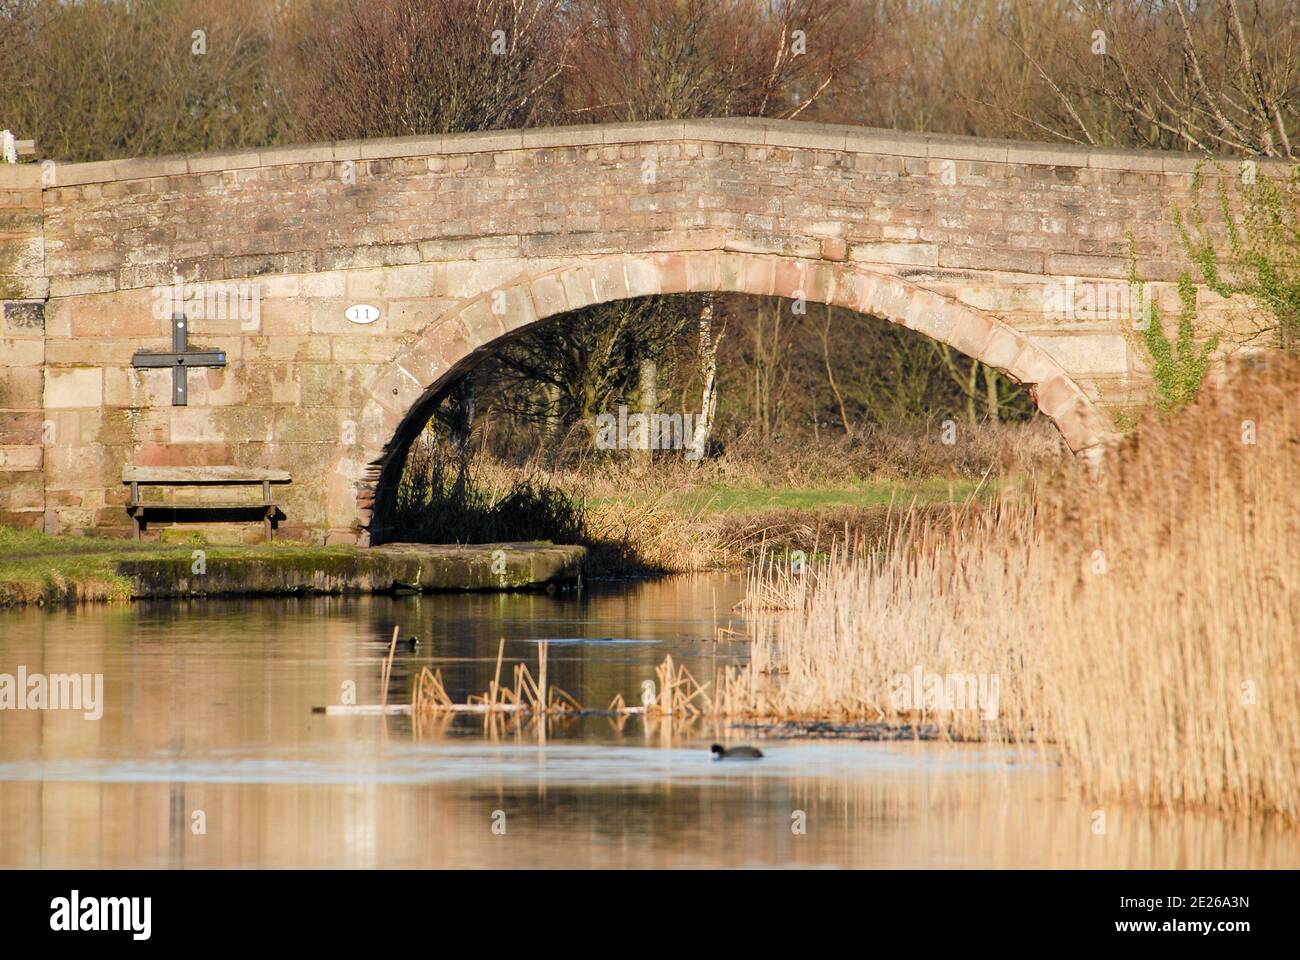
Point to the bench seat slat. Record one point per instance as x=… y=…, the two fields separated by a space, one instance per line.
x=224 y=505
x=182 y=476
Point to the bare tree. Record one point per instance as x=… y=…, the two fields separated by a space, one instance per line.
x=102 y=79
x=769 y=365
x=372 y=68
x=1172 y=74
x=560 y=374
x=670 y=59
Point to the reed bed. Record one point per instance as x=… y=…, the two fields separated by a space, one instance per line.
x=1143 y=622
x=631 y=537
x=677 y=694
x=1170 y=668
x=527 y=695
x=844 y=638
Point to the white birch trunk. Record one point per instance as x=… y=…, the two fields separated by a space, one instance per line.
x=709 y=369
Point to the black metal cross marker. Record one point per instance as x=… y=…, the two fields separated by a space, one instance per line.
x=180 y=359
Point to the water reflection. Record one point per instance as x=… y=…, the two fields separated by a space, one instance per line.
x=208 y=709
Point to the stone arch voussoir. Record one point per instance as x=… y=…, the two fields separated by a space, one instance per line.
x=435 y=357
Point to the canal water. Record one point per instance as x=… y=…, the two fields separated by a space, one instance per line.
x=208 y=753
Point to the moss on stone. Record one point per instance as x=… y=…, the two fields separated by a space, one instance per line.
x=36 y=568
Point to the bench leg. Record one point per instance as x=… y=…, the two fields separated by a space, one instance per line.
x=266 y=521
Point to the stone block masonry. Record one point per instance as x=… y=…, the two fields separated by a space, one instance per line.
x=461 y=240
x=24 y=428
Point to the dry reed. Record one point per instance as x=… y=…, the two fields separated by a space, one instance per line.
x=388 y=667
x=1144 y=622
x=844 y=639
x=527 y=696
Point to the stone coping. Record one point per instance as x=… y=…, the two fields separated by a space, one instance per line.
x=738 y=130
x=391 y=568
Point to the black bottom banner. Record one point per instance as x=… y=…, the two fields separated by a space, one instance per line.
x=337 y=909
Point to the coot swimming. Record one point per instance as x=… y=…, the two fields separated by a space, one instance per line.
x=735 y=753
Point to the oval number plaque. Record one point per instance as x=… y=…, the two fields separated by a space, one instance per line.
x=362 y=313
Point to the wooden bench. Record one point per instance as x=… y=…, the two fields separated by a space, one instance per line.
x=138 y=477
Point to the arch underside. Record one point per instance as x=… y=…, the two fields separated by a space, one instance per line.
x=402 y=399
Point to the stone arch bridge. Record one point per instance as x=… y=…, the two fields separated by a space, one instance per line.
x=1011 y=252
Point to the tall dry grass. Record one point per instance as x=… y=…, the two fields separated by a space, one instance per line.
x=835 y=640
x=909 y=450
x=640 y=515
x=1173 y=677
x=1143 y=622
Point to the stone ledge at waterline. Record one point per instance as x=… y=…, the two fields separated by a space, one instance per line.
x=287 y=570
x=392 y=567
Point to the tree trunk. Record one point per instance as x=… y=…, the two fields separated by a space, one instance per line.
x=462 y=424
x=649 y=403
x=830 y=375
x=971 y=383
x=991 y=391
x=708 y=371
x=553 y=424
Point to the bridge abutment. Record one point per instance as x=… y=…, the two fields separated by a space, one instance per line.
x=24 y=428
